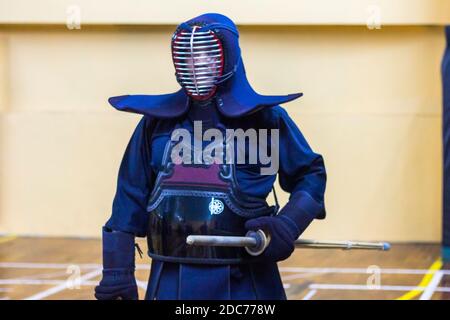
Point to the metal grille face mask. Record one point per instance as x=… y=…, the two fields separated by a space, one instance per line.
x=199 y=62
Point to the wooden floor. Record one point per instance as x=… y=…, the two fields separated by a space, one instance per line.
x=59 y=268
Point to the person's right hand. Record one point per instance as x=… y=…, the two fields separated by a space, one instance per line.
x=117 y=284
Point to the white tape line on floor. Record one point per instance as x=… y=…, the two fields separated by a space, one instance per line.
x=63 y=286
x=432 y=286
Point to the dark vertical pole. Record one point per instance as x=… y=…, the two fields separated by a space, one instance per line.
x=446 y=148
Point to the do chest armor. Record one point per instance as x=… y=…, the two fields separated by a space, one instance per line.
x=193 y=199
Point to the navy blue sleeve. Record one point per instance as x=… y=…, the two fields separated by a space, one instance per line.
x=301 y=173
x=134 y=184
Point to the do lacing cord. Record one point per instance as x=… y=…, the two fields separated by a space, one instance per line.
x=138 y=250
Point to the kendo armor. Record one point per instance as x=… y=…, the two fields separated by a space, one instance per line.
x=201 y=199
x=198 y=199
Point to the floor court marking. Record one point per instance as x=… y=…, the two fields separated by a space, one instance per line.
x=360 y=270
x=30 y=282
x=427 y=286
x=432 y=286
x=48 y=275
x=310 y=294
x=39 y=282
x=312 y=287
x=40 y=265
x=298 y=276
x=63 y=286
x=140 y=284
x=363 y=287
x=436 y=266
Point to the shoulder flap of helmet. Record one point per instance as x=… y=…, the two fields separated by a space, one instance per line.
x=163 y=106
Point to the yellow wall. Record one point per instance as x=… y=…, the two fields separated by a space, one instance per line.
x=259 y=12
x=372 y=107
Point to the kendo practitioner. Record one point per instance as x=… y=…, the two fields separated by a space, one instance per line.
x=166 y=201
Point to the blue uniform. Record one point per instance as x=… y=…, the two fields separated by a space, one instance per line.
x=235 y=105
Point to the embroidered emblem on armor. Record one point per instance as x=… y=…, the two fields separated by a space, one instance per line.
x=216 y=206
